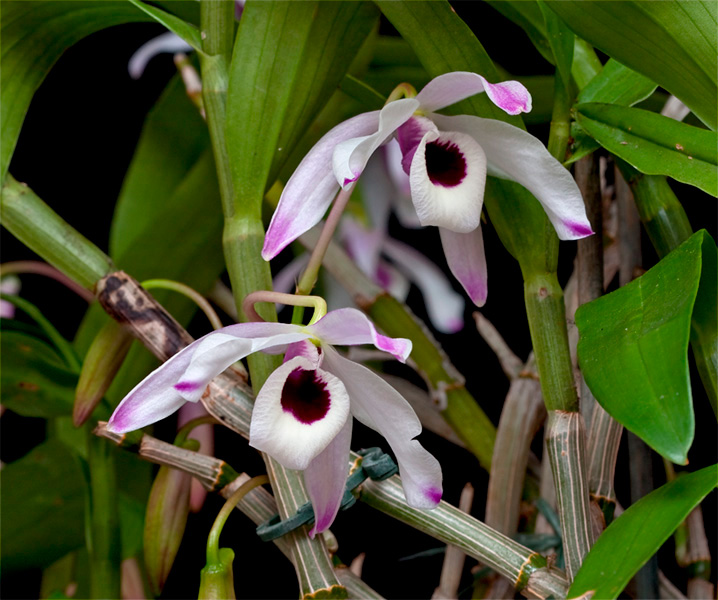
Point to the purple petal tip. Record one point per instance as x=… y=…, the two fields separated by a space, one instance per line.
x=579 y=229
x=433 y=494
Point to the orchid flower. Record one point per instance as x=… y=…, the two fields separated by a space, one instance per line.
x=370 y=245
x=447 y=159
x=302 y=414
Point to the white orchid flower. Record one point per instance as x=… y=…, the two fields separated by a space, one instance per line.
x=447 y=159
x=302 y=416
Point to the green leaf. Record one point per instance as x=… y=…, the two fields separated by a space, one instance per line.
x=35 y=381
x=288 y=59
x=189 y=33
x=34 y=35
x=704 y=325
x=654 y=144
x=633 y=351
x=43 y=504
x=173 y=138
x=672 y=42
x=617 y=84
x=638 y=533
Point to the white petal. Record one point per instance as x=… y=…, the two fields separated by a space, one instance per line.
x=444 y=90
x=154 y=398
x=521 y=157
x=401 y=199
x=465 y=255
x=448 y=175
x=218 y=350
x=167 y=42
x=325 y=479
x=350 y=327
x=312 y=187
x=379 y=406
x=284 y=432
x=444 y=305
x=351 y=156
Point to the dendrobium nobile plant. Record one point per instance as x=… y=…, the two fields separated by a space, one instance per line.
x=300 y=155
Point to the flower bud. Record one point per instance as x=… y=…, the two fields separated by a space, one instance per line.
x=165 y=521
x=103 y=360
x=217 y=579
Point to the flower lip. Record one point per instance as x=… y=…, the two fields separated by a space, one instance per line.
x=445 y=163
x=305 y=396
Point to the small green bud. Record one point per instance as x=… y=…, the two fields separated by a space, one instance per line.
x=103 y=360
x=217 y=578
x=165 y=521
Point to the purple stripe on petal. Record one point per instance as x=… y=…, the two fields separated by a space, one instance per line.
x=433 y=494
x=186 y=386
x=580 y=229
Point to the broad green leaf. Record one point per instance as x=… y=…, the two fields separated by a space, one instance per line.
x=35 y=380
x=670 y=41
x=633 y=351
x=654 y=144
x=444 y=43
x=43 y=505
x=617 y=84
x=173 y=138
x=638 y=533
x=34 y=35
x=704 y=325
x=189 y=33
x=288 y=59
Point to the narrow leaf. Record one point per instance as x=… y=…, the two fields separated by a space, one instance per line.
x=189 y=33
x=617 y=84
x=638 y=533
x=654 y=144
x=633 y=351
x=672 y=42
x=34 y=35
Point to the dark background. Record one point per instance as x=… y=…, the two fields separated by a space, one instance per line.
x=75 y=146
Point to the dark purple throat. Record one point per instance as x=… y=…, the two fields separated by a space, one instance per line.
x=305 y=396
x=445 y=164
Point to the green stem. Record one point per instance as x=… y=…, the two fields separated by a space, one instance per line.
x=185 y=290
x=187 y=428
x=560 y=119
x=547 y=322
x=42 y=230
x=216 y=531
x=661 y=213
x=103 y=521
x=217 y=19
